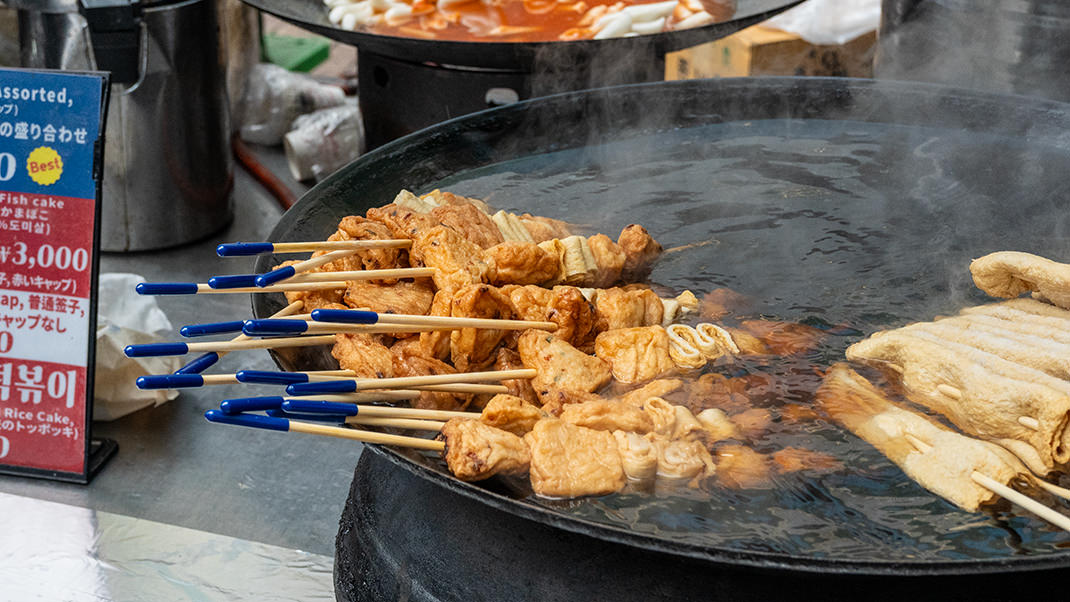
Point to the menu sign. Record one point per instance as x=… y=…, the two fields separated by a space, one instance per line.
x=51 y=126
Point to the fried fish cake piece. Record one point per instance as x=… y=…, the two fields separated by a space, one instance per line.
x=364 y=354
x=640 y=251
x=458 y=262
x=655 y=388
x=511 y=413
x=544 y=228
x=473 y=224
x=740 y=467
x=610 y=259
x=555 y=400
x=627 y=308
x=607 y=415
x=1008 y=274
x=436 y=343
x=563 y=305
x=402 y=222
x=476 y=451
x=520 y=263
x=353 y=227
x=509 y=359
x=569 y=461
x=559 y=365
x=783 y=338
x=404 y=297
x=636 y=354
x=328 y=299
x=408 y=361
x=473 y=347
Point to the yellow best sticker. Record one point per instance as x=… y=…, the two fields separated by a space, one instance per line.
x=45 y=166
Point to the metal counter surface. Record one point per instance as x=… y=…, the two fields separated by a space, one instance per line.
x=173 y=466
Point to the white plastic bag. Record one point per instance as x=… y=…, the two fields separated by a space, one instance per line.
x=126 y=318
x=830 y=22
x=274 y=97
x=324 y=141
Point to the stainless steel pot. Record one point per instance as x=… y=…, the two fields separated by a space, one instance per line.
x=168 y=170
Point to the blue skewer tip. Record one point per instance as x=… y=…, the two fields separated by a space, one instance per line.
x=251 y=420
x=242 y=249
x=275 y=275
x=156 y=349
x=200 y=330
x=318 y=388
x=166 y=288
x=170 y=381
x=270 y=378
x=257 y=328
x=200 y=364
x=232 y=281
x=250 y=404
x=349 y=316
x=313 y=406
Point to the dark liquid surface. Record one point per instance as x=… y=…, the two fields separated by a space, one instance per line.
x=851 y=227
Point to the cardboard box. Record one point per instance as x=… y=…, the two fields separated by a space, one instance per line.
x=762 y=50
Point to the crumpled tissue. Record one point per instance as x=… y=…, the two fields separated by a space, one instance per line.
x=126 y=318
x=829 y=22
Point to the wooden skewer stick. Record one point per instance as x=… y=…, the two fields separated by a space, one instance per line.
x=1007 y=493
x=363 y=275
x=400 y=423
x=1029 y=422
x=312 y=428
x=162 y=349
x=284 y=424
x=1053 y=489
x=301 y=266
x=245 y=249
x=206 y=360
x=299 y=405
x=200 y=288
x=432 y=379
x=1053 y=517
x=350 y=316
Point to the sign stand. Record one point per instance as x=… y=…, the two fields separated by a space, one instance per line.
x=51 y=163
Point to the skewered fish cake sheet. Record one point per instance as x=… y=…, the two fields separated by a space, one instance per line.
x=402 y=297
x=573 y=461
x=476 y=451
x=636 y=355
x=979 y=392
x=559 y=365
x=1008 y=274
x=472 y=348
x=511 y=413
x=944 y=467
x=607 y=415
x=520 y=263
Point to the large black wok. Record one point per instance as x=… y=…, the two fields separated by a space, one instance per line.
x=850 y=205
x=311 y=15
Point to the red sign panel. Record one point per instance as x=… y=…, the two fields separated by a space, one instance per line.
x=50 y=125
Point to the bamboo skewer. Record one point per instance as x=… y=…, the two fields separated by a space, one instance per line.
x=355 y=316
x=271 y=327
x=321 y=405
x=245 y=249
x=198 y=288
x=285 y=424
x=161 y=349
x=283 y=273
x=1015 y=497
x=350 y=386
x=249 y=280
x=400 y=423
x=203 y=362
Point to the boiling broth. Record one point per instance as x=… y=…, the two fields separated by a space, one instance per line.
x=851 y=227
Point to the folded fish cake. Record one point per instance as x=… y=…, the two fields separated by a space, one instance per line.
x=511 y=413
x=636 y=354
x=476 y=451
x=570 y=461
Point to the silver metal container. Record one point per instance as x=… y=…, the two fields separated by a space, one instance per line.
x=168 y=172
